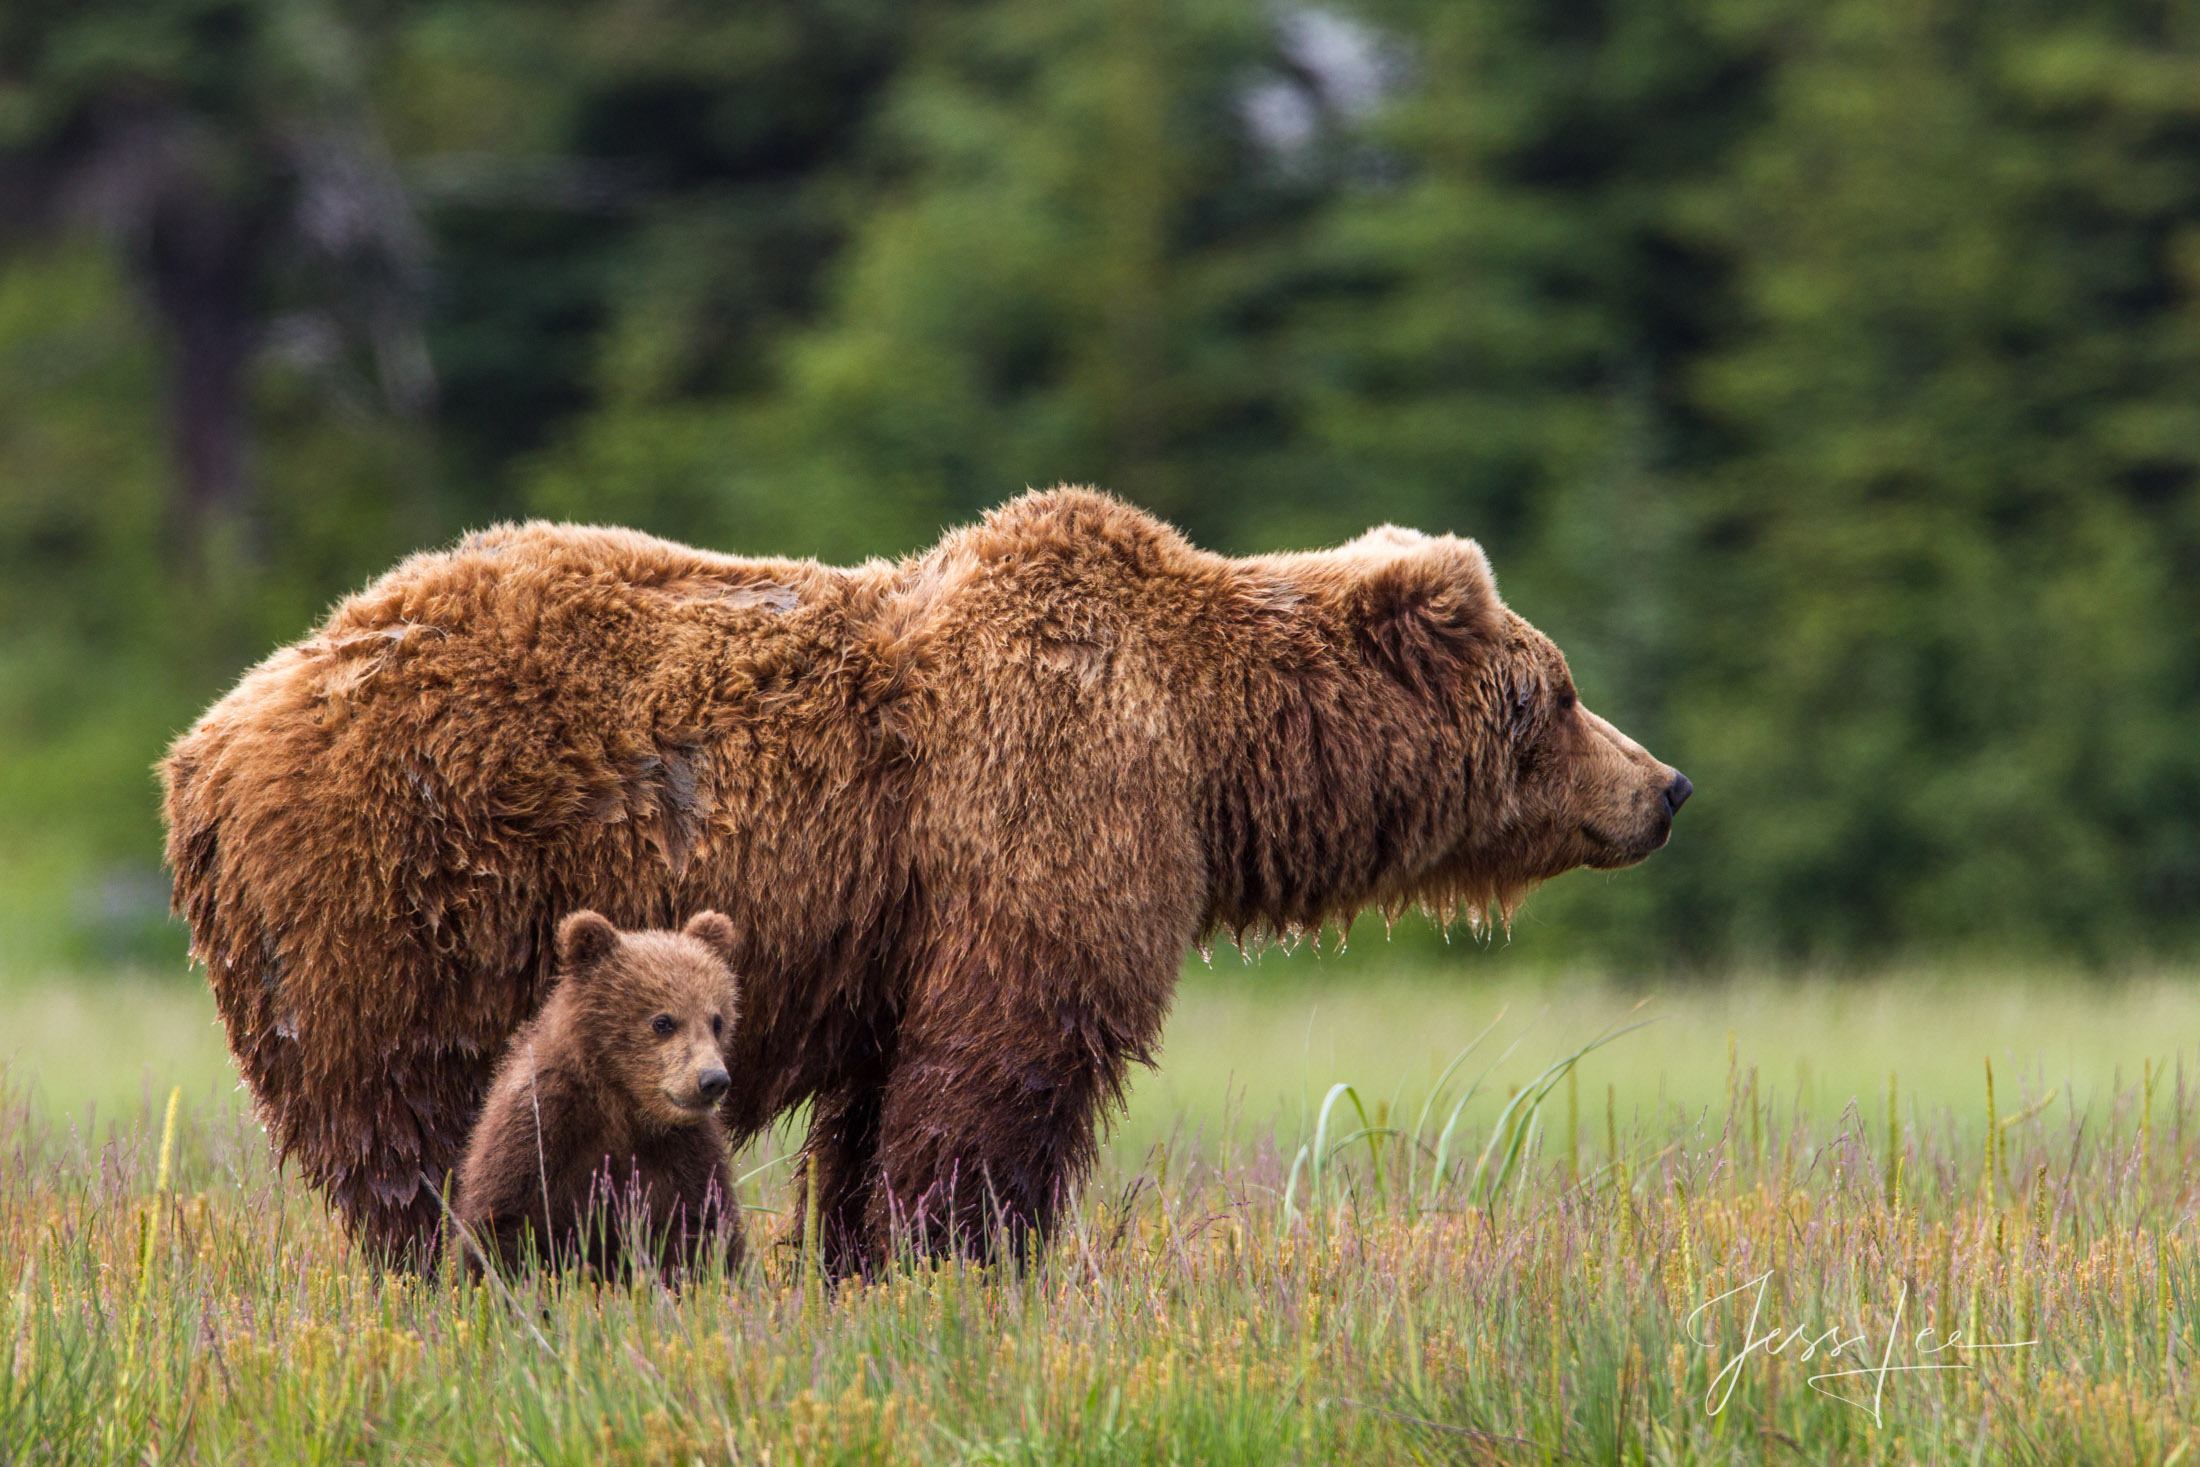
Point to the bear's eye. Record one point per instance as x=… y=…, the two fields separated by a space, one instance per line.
x=717 y=1026
x=663 y=1025
x=1567 y=700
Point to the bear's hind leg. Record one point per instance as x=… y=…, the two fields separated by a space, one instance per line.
x=840 y=1159
x=389 y=1152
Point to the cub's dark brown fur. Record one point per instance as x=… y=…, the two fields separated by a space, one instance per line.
x=968 y=811
x=600 y=1127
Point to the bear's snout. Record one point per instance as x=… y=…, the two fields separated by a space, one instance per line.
x=1624 y=798
x=1677 y=793
x=714 y=1084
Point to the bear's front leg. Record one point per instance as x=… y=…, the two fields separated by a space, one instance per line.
x=989 y=1119
x=840 y=1159
x=689 y=1200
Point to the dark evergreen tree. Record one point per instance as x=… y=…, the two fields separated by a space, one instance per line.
x=1943 y=645
x=226 y=149
x=1073 y=267
x=630 y=204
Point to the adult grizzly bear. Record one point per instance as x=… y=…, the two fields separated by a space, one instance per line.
x=966 y=812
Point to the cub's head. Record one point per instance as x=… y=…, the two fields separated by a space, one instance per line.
x=1543 y=785
x=652 y=1011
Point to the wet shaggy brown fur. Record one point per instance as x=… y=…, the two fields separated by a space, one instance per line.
x=966 y=810
x=599 y=1129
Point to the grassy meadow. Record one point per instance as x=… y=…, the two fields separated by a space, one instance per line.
x=1786 y=1219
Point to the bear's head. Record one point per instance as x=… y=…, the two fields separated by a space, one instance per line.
x=651 y=1012
x=1510 y=779
x=1550 y=785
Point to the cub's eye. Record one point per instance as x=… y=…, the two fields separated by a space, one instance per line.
x=663 y=1025
x=1567 y=700
x=717 y=1027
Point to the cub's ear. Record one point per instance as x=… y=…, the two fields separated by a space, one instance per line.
x=584 y=940
x=1424 y=602
x=714 y=931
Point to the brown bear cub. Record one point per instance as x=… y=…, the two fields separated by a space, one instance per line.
x=600 y=1135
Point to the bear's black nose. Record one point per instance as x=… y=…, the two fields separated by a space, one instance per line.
x=714 y=1084
x=1677 y=793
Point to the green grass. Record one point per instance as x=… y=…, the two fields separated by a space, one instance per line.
x=1265 y=1040
x=87 y=1048
x=1521 y=1289
x=1258 y=1043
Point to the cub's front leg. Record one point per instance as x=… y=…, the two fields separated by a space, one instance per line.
x=691 y=1203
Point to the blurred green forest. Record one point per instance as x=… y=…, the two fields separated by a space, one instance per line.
x=1824 y=377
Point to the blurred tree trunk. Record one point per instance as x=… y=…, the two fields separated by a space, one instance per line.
x=200 y=264
x=228 y=150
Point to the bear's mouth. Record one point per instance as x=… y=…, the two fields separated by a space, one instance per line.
x=690 y=1106
x=1613 y=853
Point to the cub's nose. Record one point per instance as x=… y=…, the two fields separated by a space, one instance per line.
x=1677 y=793
x=714 y=1084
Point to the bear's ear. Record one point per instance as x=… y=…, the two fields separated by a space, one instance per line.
x=1423 y=602
x=584 y=940
x=714 y=931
